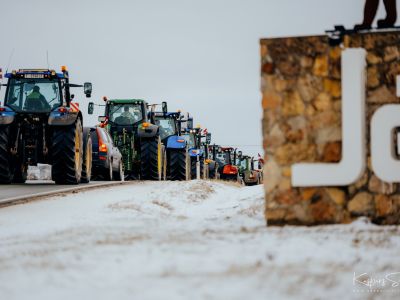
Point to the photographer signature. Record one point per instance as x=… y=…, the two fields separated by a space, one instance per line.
x=390 y=280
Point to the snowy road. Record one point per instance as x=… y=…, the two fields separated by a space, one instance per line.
x=183 y=240
x=41 y=187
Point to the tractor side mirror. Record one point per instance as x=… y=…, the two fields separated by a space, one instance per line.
x=208 y=138
x=240 y=153
x=90 y=108
x=102 y=119
x=164 y=107
x=190 y=123
x=87 y=89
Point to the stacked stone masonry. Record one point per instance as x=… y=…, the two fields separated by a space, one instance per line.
x=301 y=100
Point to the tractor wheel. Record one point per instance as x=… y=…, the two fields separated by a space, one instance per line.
x=67 y=154
x=87 y=157
x=165 y=162
x=211 y=170
x=20 y=173
x=150 y=159
x=193 y=168
x=119 y=175
x=177 y=164
x=206 y=172
x=5 y=157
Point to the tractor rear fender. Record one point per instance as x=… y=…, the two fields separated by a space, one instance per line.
x=7 y=116
x=176 y=142
x=58 y=118
x=146 y=132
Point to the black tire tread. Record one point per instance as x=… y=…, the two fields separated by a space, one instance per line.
x=177 y=164
x=87 y=145
x=193 y=168
x=5 y=157
x=149 y=159
x=63 y=154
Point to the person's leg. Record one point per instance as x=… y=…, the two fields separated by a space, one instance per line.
x=391 y=14
x=370 y=9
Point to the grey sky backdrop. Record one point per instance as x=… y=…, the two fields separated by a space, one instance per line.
x=200 y=56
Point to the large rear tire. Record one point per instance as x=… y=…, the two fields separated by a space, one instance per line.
x=177 y=164
x=150 y=156
x=5 y=156
x=87 y=156
x=67 y=154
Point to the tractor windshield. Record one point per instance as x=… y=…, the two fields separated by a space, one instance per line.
x=125 y=114
x=224 y=158
x=190 y=140
x=28 y=95
x=167 y=127
x=243 y=163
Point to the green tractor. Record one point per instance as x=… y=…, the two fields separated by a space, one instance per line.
x=40 y=123
x=136 y=137
x=249 y=175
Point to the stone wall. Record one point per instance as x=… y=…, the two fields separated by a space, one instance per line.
x=301 y=88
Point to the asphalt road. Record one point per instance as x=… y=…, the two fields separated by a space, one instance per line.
x=37 y=188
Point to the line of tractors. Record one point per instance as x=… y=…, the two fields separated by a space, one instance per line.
x=40 y=122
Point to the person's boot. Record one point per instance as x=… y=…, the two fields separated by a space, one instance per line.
x=384 y=23
x=391 y=14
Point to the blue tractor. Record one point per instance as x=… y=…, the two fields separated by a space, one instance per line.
x=197 y=151
x=176 y=146
x=39 y=123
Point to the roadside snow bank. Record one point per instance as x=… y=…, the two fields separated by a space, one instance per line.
x=182 y=240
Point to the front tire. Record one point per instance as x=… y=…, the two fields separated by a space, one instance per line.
x=150 y=159
x=5 y=157
x=177 y=164
x=67 y=154
x=87 y=157
x=194 y=168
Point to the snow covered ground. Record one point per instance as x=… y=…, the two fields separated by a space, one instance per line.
x=186 y=240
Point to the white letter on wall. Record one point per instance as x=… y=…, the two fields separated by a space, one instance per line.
x=384 y=163
x=352 y=165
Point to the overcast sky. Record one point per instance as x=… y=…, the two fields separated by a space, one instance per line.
x=200 y=56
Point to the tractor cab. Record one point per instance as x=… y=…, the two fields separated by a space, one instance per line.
x=124 y=114
x=39 y=91
x=194 y=137
x=226 y=158
x=247 y=172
